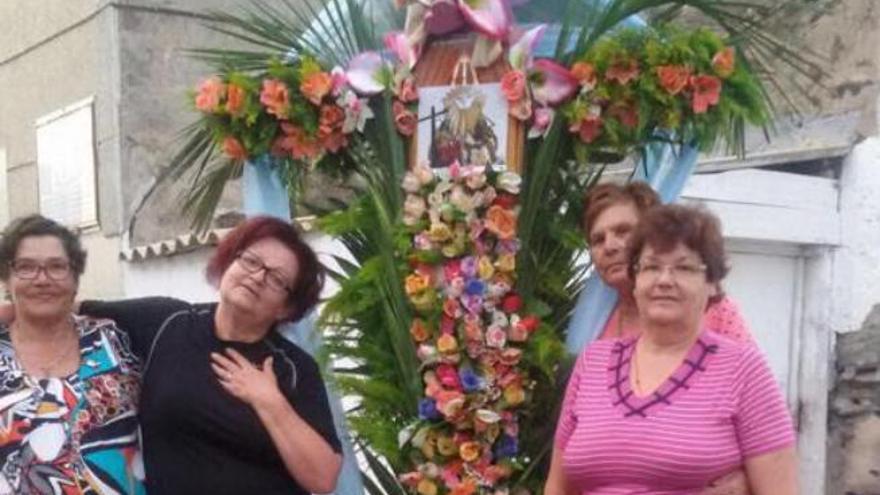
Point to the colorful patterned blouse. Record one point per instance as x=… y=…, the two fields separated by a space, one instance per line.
x=76 y=434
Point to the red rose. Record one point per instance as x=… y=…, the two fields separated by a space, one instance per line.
x=530 y=323
x=512 y=303
x=506 y=201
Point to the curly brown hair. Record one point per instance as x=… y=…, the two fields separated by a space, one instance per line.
x=665 y=227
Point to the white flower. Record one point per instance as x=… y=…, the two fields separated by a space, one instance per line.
x=414 y=206
x=357 y=112
x=510 y=182
x=424 y=174
x=411 y=183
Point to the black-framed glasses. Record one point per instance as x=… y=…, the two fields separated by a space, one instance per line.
x=28 y=269
x=274 y=278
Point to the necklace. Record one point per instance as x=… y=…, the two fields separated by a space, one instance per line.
x=45 y=368
x=637 y=382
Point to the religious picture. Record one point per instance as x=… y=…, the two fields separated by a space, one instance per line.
x=464 y=123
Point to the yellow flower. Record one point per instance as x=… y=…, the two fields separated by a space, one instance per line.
x=514 y=394
x=469 y=451
x=439 y=232
x=416 y=283
x=427 y=487
x=428 y=447
x=447 y=343
x=424 y=301
x=506 y=263
x=485 y=268
x=446 y=446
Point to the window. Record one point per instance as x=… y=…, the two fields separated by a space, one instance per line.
x=66 y=165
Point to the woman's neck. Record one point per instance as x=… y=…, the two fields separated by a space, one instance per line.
x=669 y=338
x=41 y=330
x=233 y=326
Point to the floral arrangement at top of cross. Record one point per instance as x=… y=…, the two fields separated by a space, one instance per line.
x=469 y=330
x=296 y=110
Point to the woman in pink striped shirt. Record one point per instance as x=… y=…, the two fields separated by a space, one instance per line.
x=675 y=407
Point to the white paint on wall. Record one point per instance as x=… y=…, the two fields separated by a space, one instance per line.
x=857 y=263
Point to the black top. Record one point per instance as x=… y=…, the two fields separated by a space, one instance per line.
x=197 y=437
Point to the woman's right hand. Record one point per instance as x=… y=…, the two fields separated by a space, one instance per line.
x=734 y=483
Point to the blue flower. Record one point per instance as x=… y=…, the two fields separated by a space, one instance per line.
x=475 y=287
x=507 y=446
x=470 y=381
x=428 y=409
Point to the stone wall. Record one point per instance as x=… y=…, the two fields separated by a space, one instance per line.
x=854 y=419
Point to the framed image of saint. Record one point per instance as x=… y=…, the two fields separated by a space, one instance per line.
x=469 y=123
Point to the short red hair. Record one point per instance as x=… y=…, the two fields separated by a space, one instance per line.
x=309 y=280
x=603 y=196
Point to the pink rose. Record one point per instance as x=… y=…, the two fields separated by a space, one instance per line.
x=496 y=337
x=448 y=376
x=407 y=90
x=404 y=119
x=513 y=84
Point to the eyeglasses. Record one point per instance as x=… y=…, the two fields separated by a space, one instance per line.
x=679 y=271
x=274 y=279
x=27 y=269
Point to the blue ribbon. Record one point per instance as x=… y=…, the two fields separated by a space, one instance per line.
x=666 y=168
x=266 y=194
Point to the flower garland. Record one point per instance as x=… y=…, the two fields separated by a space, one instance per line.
x=469 y=330
x=297 y=110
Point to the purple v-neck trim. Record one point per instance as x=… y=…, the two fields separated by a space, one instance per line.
x=679 y=382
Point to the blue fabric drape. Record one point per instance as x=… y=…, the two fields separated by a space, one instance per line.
x=266 y=194
x=666 y=168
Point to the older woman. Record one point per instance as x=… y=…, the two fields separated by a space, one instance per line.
x=68 y=384
x=611 y=213
x=677 y=406
x=228 y=405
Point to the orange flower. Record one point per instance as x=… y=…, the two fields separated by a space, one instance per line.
x=316 y=86
x=674 y=78
x=275 y=97
x=235 y=99
x=447 y=343
x=514 y=394
x=331 y=119
x=585 y=74
x=209 y=94
x=623 y=71
x=297 y=143
x=465 y=488
x=334 y=141
x=469 y=451
x=707 y=92
x=427 y=487
x=501 y=222
x=233 y=148
x=419 y=330
x=513 y=85
x=416 y=283
x=724 y=62
x=626 y=112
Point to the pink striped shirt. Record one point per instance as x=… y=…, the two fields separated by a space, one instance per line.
x=720 y=407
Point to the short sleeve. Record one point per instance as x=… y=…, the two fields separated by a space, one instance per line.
x=725 y=319
x=308 y=397
x=762 y=421
x=567 y=418
x=139 y=318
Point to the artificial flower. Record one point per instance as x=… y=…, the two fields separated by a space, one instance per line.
x=521 y=109
x=446 y=446
x=626 y=112
x=589 y=129
x=399 y=45
x=514 y=394
x=450 y=402
x=405 y=120
x=414 y=208
x=427 y=353
x=233 y=148
x=506 y=263
x=338 y=81
x=707 y=92
x=472 y=304
x=428 y=409
x=490 y=17
x=553 y=83
x=451 y=308
x=439 y=232
x=357 y=113
x=485 y=268
x=517 y=332
x=446 y=343
x=209 y=93
x=724 y=62
x=470 y=381
x=506 y=446
x=468 y=487
x=501 y=222
x=509 y=182
x=455 y=288
x=316 y=86
x=235 y=96
x=674 y=78
x=412 y=479
x=406 y=90
x=275 y=97
x=296 y=142
x=419 y=330
x=510 y=356
x=470 y=451
x=416 y=283
x=513 y=85
x=496 y=337
x=623 y=71
x=424 y=174
x=541 y=122
x=427 y=487
x=367 y=73
x=585 y=74
x=520 y=53
x=511 y=303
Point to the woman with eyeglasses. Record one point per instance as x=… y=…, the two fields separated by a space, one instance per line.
x=676 y=406
x=228 y=405
x=68 y=384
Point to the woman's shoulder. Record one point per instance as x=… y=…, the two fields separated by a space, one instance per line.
x=725 y=318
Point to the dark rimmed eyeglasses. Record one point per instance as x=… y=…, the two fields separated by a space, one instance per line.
x=27 y=269
x=274 y=278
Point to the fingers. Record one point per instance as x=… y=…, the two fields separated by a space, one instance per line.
x=267 y=365
x=224 y=361
x=224 y=374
